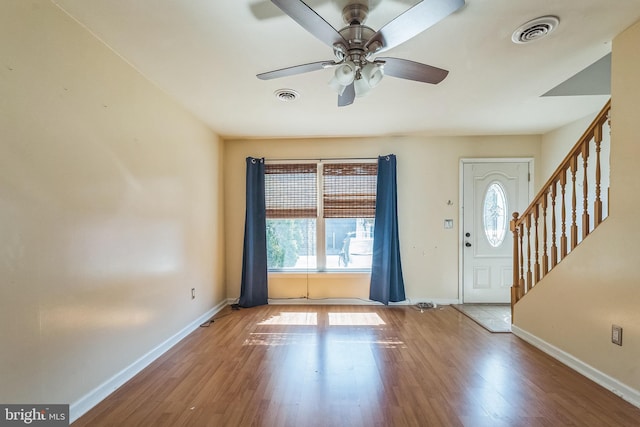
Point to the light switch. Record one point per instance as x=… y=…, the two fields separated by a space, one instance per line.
x=448 y=223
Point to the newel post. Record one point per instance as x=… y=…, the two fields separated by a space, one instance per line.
x=515 y=287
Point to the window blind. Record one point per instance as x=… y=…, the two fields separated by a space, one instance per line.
x=291 y=190
x=349 y=190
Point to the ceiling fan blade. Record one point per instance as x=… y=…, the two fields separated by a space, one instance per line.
x=347 y=96
x=310 y=21
x=412 y=22
x=296 y=69
x=410 y=70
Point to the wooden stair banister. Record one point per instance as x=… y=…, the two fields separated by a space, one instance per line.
x=535 y=245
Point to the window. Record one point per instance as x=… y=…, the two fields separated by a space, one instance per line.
x=320 y=215
x=291 y=196
x=494 y=217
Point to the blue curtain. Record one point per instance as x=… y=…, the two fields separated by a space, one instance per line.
x=253 y=290
x=387 y=283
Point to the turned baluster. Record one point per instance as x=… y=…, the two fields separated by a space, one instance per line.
x=597 y=204
x=554 y=246
x=536 y=265
x=585 y=193
x=563 y=236
x=521 y=267
x=529 y=273
x=515 y=287
x=545 y=256
x=574 y=221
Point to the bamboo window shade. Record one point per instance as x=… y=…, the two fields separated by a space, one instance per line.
x=349 y=190
x=291 y=190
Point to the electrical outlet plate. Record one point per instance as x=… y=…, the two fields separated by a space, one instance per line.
x=616 y=334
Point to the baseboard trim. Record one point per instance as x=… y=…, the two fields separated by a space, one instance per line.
x=618 y=388
x=352 y=301
x=320 y=301
x=95 y=396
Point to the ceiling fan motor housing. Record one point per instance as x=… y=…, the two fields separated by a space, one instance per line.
x=356 y=34
x=355 y=13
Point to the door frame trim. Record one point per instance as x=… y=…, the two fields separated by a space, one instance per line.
x=463 y=162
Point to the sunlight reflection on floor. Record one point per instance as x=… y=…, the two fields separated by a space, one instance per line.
x=292 y=318
x=335 y=319
x=277 y=338
x=355 y=319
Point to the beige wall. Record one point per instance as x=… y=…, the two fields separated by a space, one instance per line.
x=110 y=210
x=428 y=177
x=598 y=284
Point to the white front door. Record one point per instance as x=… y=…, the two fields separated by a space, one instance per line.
x=491 y=193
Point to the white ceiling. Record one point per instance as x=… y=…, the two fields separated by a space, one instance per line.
x=206 y=54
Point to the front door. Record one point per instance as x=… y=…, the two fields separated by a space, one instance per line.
x=491 y=193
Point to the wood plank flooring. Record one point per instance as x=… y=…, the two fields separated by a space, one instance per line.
x=356 y=366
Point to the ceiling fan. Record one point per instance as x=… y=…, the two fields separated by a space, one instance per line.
x=354 y=46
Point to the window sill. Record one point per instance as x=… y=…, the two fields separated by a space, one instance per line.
x=303 y=274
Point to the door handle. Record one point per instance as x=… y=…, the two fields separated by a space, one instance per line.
x=467 y=244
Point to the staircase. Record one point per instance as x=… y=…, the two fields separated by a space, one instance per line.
x=575 y=198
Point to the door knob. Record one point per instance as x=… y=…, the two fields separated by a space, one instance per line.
x=467 y=244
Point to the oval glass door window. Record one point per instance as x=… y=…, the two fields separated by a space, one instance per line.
x=495 y=214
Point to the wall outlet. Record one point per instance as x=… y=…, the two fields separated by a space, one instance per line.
x=193 y=293
x=616 y=334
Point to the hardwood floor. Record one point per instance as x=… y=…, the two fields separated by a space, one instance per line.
x=356 y=366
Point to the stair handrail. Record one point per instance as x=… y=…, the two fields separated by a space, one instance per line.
x=520 y=223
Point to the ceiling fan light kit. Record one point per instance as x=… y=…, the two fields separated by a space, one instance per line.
x=345 y=73
x=362 y=87
x=354 y=46
x=336 y=86
x=373 y=73
x=364 y=78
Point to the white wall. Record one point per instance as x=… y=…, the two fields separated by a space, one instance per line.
x=110 y=210
x=557 y=143
x=597 y=285
x=428 y=177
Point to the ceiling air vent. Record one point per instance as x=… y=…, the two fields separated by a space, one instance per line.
x=286 y=95
x=535 y=29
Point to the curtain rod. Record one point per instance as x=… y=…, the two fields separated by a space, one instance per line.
x=328 y=158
